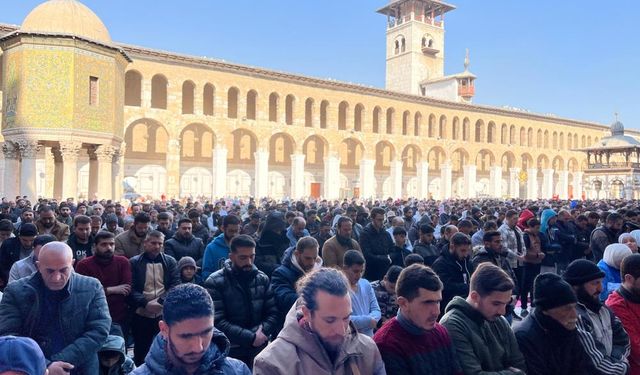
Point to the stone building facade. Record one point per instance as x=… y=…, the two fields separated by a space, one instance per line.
x=83 y=116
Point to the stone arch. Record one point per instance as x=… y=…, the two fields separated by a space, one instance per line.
x=385 y=154
x=390 y=123
x=466 y=129
x=417 y=125
x=196 y=143
x=543 y=162
x=308 y=113
x=561 y=141
x=504 y=134
x=375 y=119
x=159 y=87
x=324 y=110
x=411 y=156
x=442 y=127
x=436 y=157
x=484 y=160
x=530 y=137
x=507 y=161
x=405 y=122
x=146 y=139
x=526 y=161
x=289 y=109
x=491 y=132
x=358 y=117
x=343 y=108
x=133 y=88
x=554 y=139
x=479 y=133
x=196 y=182
x=573 y=165
x=546 y=139
x=239 y=183
x=350 y=151
x=241 y=146
x=455 y=129
x=188 y=96
x=315 y=150
x=432 y=126
x=281 y=146
x=558 y=163
x=252 y=105
x=459 y=158
x=539 y=139
x=523 y=137
x=208 y=99
x=512 y=135
x=233 y=95
x=274 y=103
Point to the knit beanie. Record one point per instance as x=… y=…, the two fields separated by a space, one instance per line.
x=582 y=271
x=614 y=253
x=186 y=262
x=550 y=291
x=22 y=355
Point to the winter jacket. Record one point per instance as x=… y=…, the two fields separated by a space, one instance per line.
x=128 y=244
x=124 y=365
x=376 y=246
x=566 y=237
x=550 y=349
x=601 y=237
x=626 y=306
x=270 y=250
x=240 y=310
x=59 y=231
x=293 y=240
x=84 y=318
x=535 y=244
x=511 y=237
x=604 y=340
x=428 y=252
x=482 y=346
x=298 y=351
x=455 y=276
x=178 y=247
x=10 y=252
x=214 y=362
x=284 y=279
x=23 y=268
x=139 y=266
x=483 y=255
x=202 y=232
x=333 y=251
x=611 y=281
x=216 y=253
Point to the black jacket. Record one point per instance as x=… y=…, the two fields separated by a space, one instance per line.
x=550 y=349
x=139 y=274
x=270 y=250
x=9 y=254
x=428 y=252
x=283 y=282
x=179 y=247
x=241 y=309
x=376 y=246
x=454 y=274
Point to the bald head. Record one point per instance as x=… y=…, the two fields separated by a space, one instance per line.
x=55 y=264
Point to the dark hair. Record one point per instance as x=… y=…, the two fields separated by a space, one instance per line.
x=184 y=220
x=353 y=257
x=413 y=259
x=6 y=225
x=44 y=208
x=465 y=224
x=328 y=280
x=488 y=236
x=376 y=211
x=165 y=216
x=415 y=277
x=488 y=278
x=343 y=219
x=141 y=217
x=186 y=301
x=581 y=217
x=325 y=223
x=511 y=213
x=630 y=266
x=490 y=225
x=399 y=230
x=96 y=218
x=593 y=215
x=81 y=219
x=43 y=239
x=460 y=239
x=393 y=273
x=312 y=212
x=241 y=240
x=533 y=222
x=426 y=229
x=103 y=235
x=193 y=214
x=613 y=217
x=230 y=220
x=154 y=234
x=306 y=242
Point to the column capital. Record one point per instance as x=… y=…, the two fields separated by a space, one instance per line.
x=69 y=150
x=10 y=150
x=28 y=148
x=105 y=153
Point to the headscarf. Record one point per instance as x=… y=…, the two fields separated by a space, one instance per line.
x=615 y=253
x=636 y=235
x=547 y=215
x=524 y=217
x=625 y=236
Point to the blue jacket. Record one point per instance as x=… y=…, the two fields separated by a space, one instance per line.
x=215 y=360
x=214 y=256
x=283 y=283
x=84 y=315
x=611 y=281
x=293 y=241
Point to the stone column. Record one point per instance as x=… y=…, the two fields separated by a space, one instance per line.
x=93 y=175
x=11 y=170
x=445 y=176
x=331 y=177
x=367 y=178
x=495 y=180
x=297 y=176
x=117 y=171
x=532 y=183
x=514 y=182
x=49 y=172
x=396 y=179
x=261 y=183
x=469 y=178
x=577 y=185
x=104 y=159
x=564 y=184
x=69 y=151
x=219 y=172
x=547 y=183
x=423 y=180
x=28 y=153
x=172 y=189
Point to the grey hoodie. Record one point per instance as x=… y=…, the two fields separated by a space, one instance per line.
x=125 y=364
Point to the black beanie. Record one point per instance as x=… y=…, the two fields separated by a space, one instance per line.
x=582 y=271
x=550 y=291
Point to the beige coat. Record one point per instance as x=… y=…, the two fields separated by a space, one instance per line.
x=333 y=252
x=297 y=351
x=128 y=244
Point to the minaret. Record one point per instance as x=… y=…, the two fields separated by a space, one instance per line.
x=466 y=85
x=415 y=43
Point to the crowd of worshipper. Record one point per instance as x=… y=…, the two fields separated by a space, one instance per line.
x=475 y=286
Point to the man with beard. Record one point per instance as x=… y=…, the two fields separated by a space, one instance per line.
x=25 y=217
x=184 y=243
x=251 y=227
x=454 y=268
x=414 y=343
x=245 y=310
x=318 y=337
x=335 y=247
x=548 y=337
x=625 y=303
x=65 y=214
x=481 y=335
x=605 y=235
x=111 y=224
x=96 y=225
x=165 y=222
x=113 y=272
x=47 y=224
x=81 y=240
x=28 y=266
x=323 y=235
x=376 y=244
x=297 y=230
x=130 y=243
x=296 y=263
x=600 y=331
x=153 y=274
x=15 y=248
x=217 y=252
x=352 y=212
x=188 y=342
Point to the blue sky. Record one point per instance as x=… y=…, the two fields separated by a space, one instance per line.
x=572 y=59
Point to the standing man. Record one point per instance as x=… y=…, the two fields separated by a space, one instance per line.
x=28 y=266
x=425 y=246
x=376 y=244
x=513 y=242
x=188 y=342
x=318 y=337
x=605 y=235
x=130 y=243
x=64 y=312
x=81 y=240
x=335 y=247
x=15 y=248
x=600 y=331
x=454 y=268
x=47 y=224
x=481 y=335
x=245 y=308
x=366 y=312
x=153 y=274
x=113 y=272
x=413 y=342
x=297 y=230
x=184 y=243
x=217 y=252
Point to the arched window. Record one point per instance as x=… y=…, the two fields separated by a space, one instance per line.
x=431 y=131
x=342 y=115
x=455 y=129
x=141 y=136
x=442 y=128
x=273 y=107
x=208 y=97
x=324 y=108
x=503 y=134
x=162 y=139
x=417 y=124
x=188 y=93
x=159 y=92
x=252 y=104
x=403 y=45
x=405 y=123
x=232 y=102
x=357 y=117
x=466 y=132
x=133 y=88
x=308 y=113
x=390 y=114
x=376 y=120
x=289 y=103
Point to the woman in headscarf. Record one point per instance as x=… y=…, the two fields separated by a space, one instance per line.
x=272 y=243
x=547 y=231
x=629 y=240
x=636 y=235
x=610 y=265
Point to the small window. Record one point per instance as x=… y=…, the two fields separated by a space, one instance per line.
x=93 y=91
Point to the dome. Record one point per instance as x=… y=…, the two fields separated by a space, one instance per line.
x=68 y=17
x=617 y=128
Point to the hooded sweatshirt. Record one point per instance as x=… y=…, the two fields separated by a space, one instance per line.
x=284 y=278
x=610 y=265
x=124 y=365
x=524 y=217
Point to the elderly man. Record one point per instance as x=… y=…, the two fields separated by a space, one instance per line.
x=64 y=312
x=297 y=230
x=335 y=247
